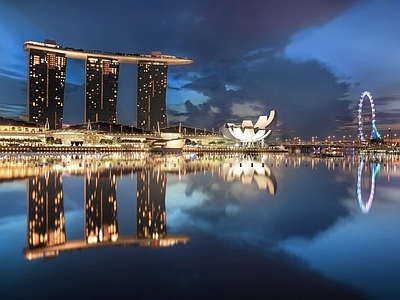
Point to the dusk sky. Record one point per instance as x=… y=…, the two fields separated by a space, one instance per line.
x=310 y=60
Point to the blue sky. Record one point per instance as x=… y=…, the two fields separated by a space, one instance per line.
x=309 y=60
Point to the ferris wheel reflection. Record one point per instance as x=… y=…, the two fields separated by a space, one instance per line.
x=374 y=168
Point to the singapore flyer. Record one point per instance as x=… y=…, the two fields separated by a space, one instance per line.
x=374 y=167
x=375 y=135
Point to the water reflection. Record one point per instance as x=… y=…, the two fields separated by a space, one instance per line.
x=45 y=212
x=46 y=221
x=373 y=167
x=46 y=217
x=101 y=206
x=311 y=221
x=248 y=170
x=150 y=195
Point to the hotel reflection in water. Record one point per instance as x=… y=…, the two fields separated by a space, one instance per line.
x=101 y=206
x=46 y=221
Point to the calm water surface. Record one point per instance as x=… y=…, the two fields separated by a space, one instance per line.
x=272 y=226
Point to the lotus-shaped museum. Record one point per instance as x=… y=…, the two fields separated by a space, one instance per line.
x=249 y=133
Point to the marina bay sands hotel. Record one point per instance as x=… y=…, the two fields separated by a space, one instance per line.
x=46 y=84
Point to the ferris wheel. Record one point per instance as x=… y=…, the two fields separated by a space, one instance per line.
x=374 y=131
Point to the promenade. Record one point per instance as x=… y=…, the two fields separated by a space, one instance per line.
x=287 y=147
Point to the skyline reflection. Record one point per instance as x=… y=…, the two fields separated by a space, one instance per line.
x=46 y=222
x=45 y=211
x=294 y=215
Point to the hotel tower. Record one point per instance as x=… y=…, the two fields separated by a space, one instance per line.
x=151 y=94
x=46 y=84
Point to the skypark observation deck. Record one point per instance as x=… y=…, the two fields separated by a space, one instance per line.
x=121 y=57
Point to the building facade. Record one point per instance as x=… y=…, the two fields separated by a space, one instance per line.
x=46 y=82
x=47 y=62
x=151 y=96
x=101 y=89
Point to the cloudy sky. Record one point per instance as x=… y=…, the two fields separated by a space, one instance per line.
x=310 y=60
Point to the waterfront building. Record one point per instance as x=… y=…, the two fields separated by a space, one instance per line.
x=151 y=95
x=46 y=82
x=18 y=127
x=247 y=133
x=47 y=62
x=101 y=89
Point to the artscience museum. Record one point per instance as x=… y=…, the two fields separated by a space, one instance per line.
x=247 y=133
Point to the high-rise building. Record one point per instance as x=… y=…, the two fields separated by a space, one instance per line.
x=46 y=220
x=101 y=207
x=46 y=82
x=101 y=89
x=151 y=95
x=150 y=201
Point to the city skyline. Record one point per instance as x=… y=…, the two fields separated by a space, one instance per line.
x=302 y=59
x=46 y=84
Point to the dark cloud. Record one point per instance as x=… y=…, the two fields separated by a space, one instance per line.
x=12 y=97
x=386 y=110
x=13 y=111
x=323 y=210
x=305 y=95
x=207 y=267
x=232 y=44
x=206 y=30
x=317 y=204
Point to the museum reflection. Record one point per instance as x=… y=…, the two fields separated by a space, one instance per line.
x=46 y=216
x=45 y=208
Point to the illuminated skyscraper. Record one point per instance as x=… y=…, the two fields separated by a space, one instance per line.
x=150 y=197
x=101 y=207
x=46 y=82
x=46 y=221
x=151 y=95
x=101 y=89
